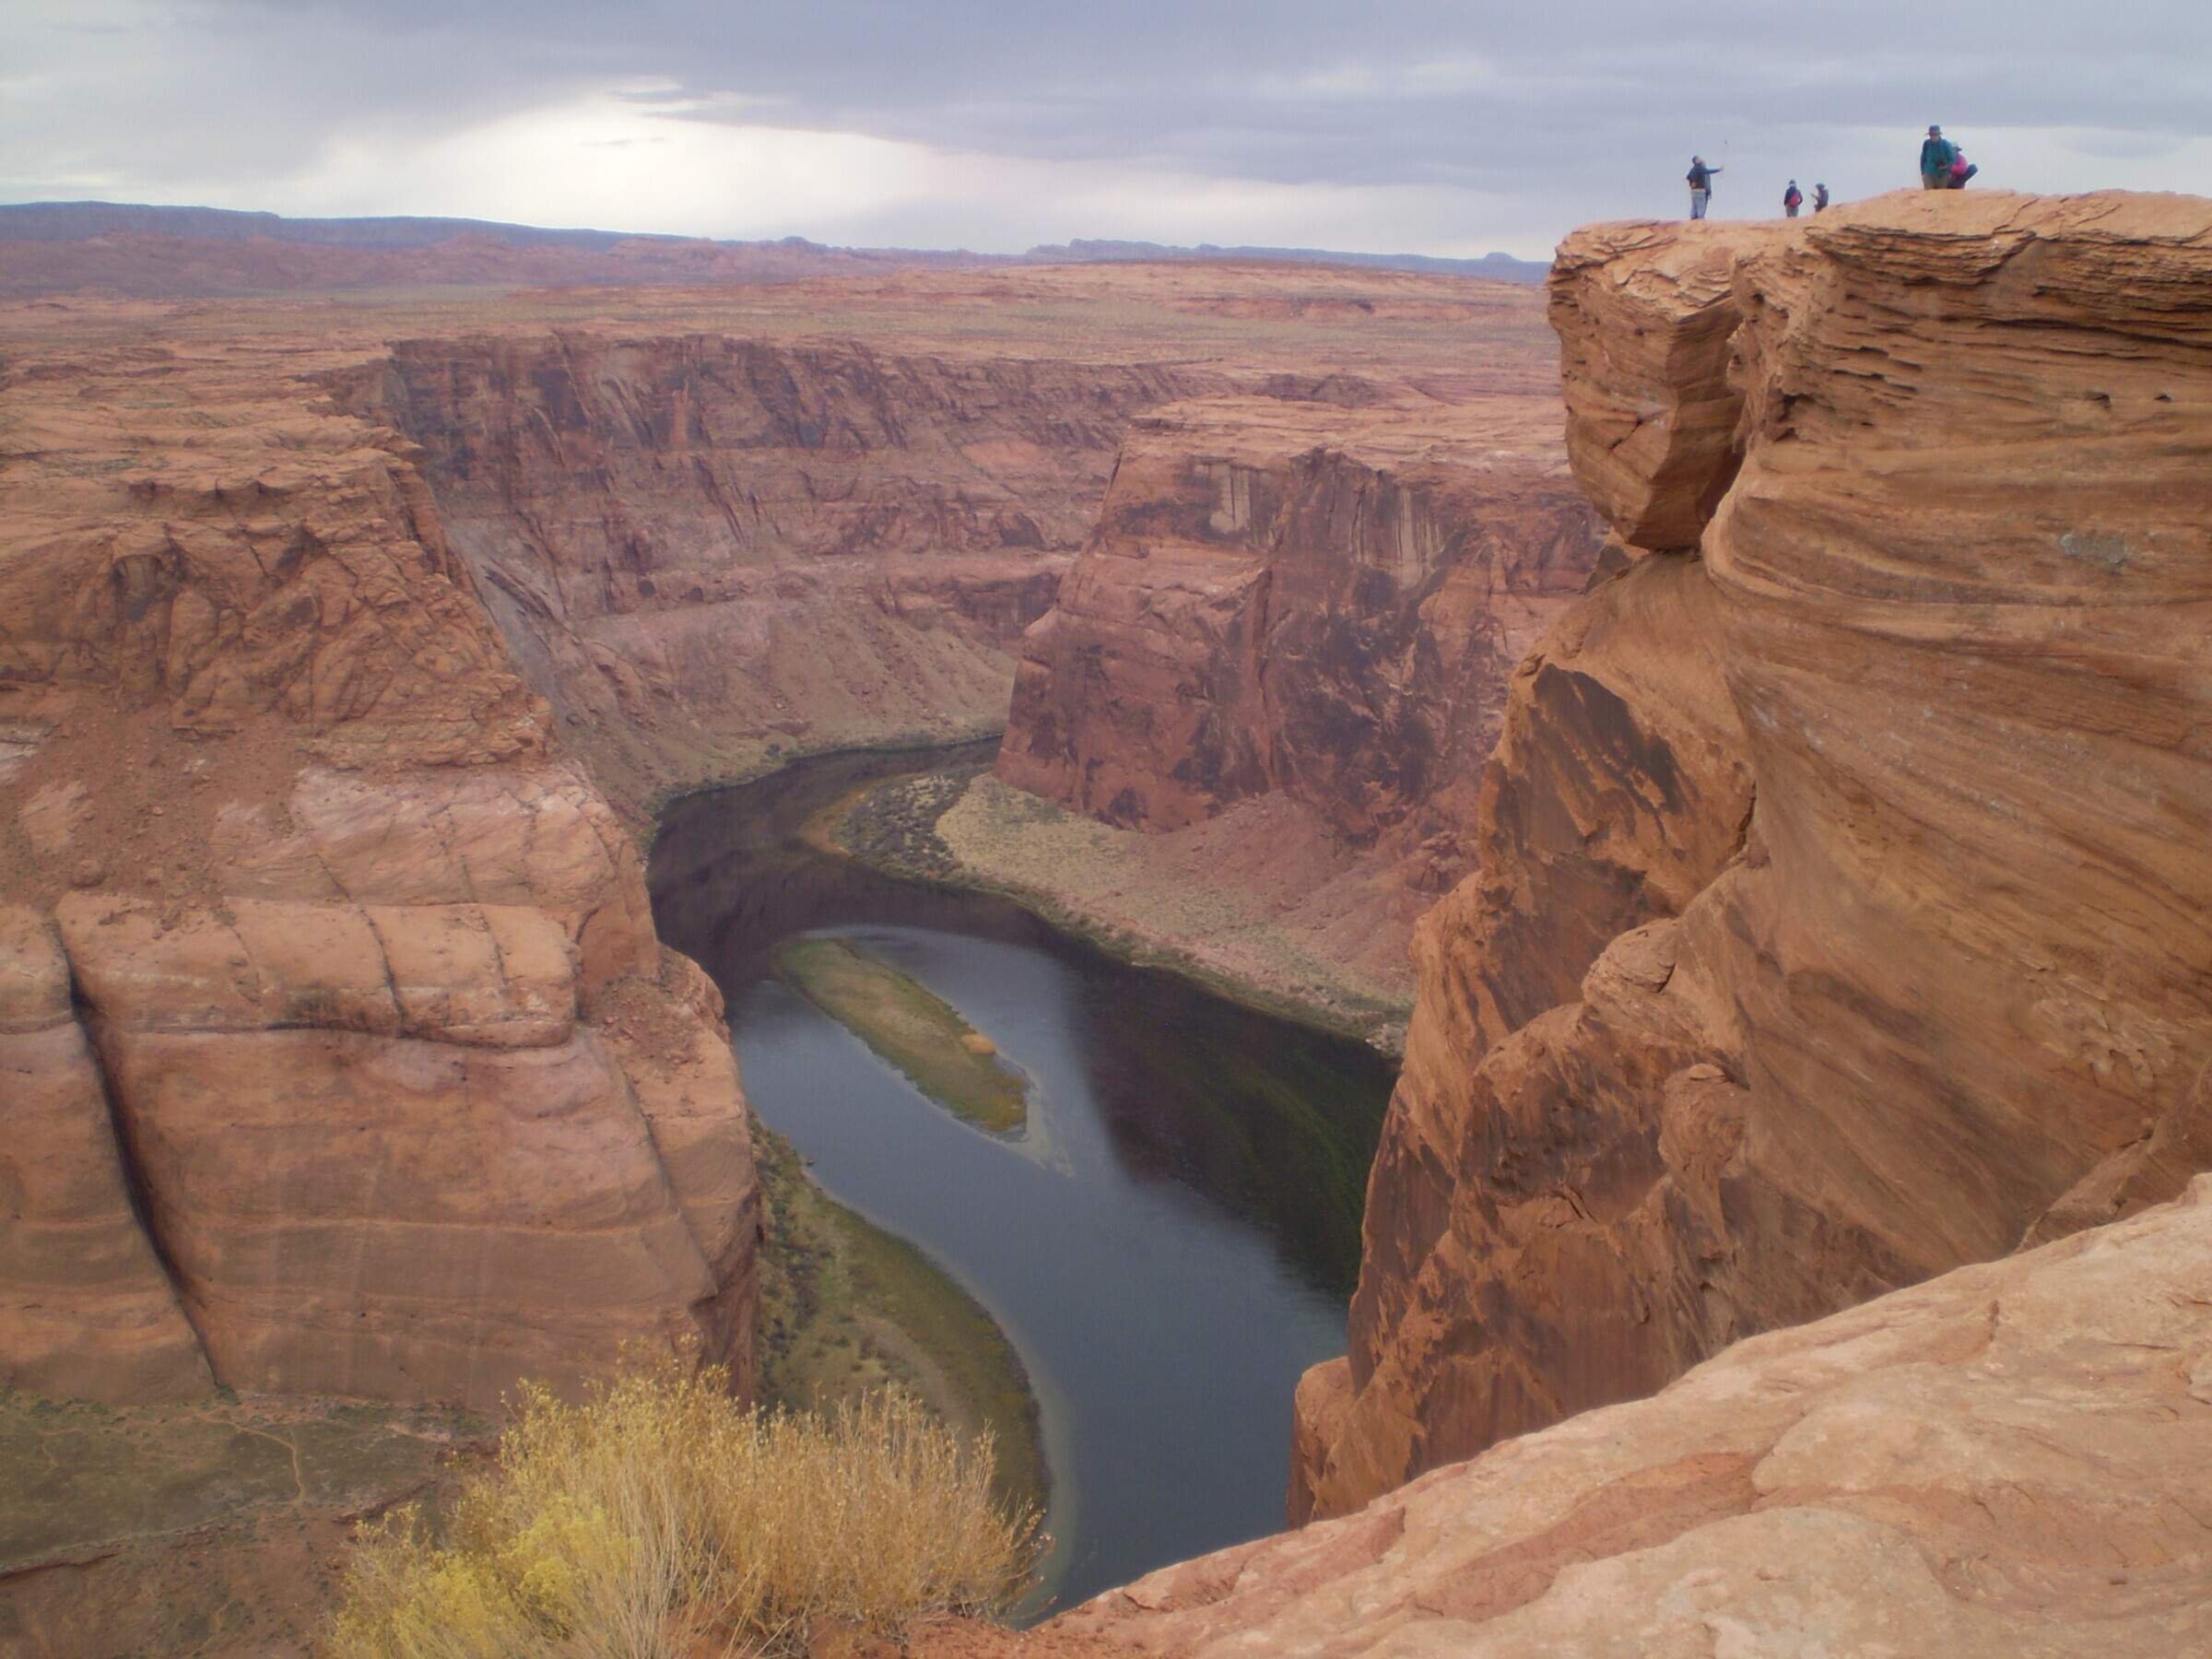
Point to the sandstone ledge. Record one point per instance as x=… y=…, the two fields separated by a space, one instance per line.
x=2005 y=1460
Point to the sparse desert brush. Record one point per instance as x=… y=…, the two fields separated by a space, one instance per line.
x=659 y=1517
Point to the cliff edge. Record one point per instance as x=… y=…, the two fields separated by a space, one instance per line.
x=1839 y=917
x=337 y=1052
x=2002 y=1461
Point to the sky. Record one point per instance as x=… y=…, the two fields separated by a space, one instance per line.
x=1451 y=127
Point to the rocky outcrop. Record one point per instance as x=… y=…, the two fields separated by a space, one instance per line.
x=2007 y=1459
x=1321 y=598
x=1947 y=989
x=695 y=544
x=343 y=1056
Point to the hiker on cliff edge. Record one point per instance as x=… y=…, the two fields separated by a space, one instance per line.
x=1819 y=198
x=1791 y=199
x=1701 y=187
x=1937 y=154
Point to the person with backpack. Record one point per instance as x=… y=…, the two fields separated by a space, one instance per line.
x=1937 y=154
x=1791 y=199
x=1962 y=170
x=1819 y=198
x=1701 y=187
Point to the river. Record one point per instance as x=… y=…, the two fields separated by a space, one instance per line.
x=1171 y=1240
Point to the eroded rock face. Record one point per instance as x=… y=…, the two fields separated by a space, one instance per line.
x=85 y=1307
x=1948 y=989
x=1320 y=600
x=695 y=541
x=342 y=1055
x=2004 y=1460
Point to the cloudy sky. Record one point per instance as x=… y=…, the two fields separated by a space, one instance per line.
x=1441 y=127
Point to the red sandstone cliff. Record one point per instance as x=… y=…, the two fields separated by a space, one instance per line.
x=695 y=543
x=1841 y=916
x=338 y=1053
x=1322 y=598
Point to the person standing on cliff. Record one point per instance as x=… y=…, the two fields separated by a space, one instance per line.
x=1701 y=187
x=1819 y=198
x=1937 y=154
x=1791 y=199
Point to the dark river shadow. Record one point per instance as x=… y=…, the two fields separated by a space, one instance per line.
x=1171 y=1241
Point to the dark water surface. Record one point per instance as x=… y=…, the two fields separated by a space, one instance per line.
x=1170 y=1244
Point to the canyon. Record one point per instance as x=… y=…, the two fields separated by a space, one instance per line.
x=350 y=647
x=1789 y=773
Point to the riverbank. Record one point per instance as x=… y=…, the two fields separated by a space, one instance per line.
x=1169 y=1246
x=1305 y=934
x=846 y=1307
x=763 y=758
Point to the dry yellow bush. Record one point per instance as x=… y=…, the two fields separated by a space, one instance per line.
x=660 y=1518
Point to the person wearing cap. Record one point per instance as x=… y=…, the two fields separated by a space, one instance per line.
x=1819 y=198
x=1937 y=154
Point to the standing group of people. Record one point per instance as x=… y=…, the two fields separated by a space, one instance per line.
x=1943 y=166
x=1701 y=190
x=1793 y=198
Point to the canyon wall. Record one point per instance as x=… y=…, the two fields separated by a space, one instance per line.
x=345 y=651
x=1320 y=596
x=339 y=1054
x=697 y=546
x=1841 y=910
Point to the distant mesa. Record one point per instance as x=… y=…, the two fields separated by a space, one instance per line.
x=1502 y=266
x=146 y=251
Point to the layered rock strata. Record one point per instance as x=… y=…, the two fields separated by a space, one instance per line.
x=694 y=544
x=85 y=1308
x=343 y=1057
x=1945 y=988
x=1319 y=599
x=2004 y=1460
x=305 y=638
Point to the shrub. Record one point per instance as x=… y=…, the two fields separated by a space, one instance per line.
x=660 y=1517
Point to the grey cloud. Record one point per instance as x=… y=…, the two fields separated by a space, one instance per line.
x=1581 y=97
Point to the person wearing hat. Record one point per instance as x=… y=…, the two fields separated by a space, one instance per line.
x=1937 y=154
x=1819 y=198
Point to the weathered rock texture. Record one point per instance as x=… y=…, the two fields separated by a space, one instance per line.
x=85 y=1307
x=1301 y=597
x=695 y=541
x=1947 y=987
x=2006 y=1460
x=340 y=1054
